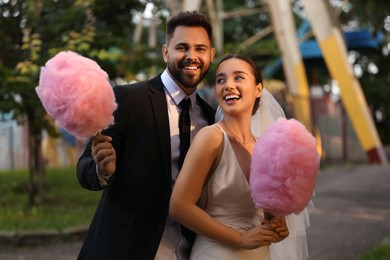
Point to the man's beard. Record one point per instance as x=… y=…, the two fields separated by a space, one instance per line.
x=185 y=80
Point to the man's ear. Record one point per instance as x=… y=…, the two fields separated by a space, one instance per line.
x=212 y=54
x=165 y=52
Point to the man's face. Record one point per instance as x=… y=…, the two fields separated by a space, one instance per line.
x=188 y=56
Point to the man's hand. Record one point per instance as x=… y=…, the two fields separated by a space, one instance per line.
x=103 y=154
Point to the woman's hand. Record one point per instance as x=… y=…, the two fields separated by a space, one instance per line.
x=258 y=236
x=279 y=225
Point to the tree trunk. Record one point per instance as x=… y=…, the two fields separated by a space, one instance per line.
x=32 y=187
x=40 y=166
x=36 y=166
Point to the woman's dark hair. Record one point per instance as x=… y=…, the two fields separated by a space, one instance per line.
x=255 y=71
x=189 y=19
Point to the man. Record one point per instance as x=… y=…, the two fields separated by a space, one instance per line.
x=136 y=160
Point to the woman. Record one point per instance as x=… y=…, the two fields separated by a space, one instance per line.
x=216 y=173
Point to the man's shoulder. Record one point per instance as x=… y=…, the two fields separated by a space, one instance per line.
x=142 y=85
x=207 y=108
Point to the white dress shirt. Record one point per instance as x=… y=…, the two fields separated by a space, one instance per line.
x=173 y=245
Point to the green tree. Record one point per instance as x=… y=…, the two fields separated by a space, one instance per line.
x=374 y=64
x=34 y=31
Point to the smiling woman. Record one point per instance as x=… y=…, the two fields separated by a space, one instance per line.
x=233 y=82
x=216 y=171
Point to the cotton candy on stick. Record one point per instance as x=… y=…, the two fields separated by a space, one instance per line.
x=76 y=92
x=284 y=167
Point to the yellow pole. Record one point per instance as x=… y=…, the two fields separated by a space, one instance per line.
x=328 y=35
x=294 y=69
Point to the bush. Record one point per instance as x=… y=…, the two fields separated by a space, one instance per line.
x=64 y=204
x=380 y=252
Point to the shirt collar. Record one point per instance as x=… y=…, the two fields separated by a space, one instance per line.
x=174 y=90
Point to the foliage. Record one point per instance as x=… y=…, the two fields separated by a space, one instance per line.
x=382 y=252
x=369 y=13
x=65 y=204
x=34 y=31
x=377 y=92
x=374 y=63
x=241 y=27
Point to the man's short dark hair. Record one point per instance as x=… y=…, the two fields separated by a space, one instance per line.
x=190 y=19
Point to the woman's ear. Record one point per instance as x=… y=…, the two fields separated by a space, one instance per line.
x=259 y=90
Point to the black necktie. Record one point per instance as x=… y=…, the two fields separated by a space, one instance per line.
x=184 y=129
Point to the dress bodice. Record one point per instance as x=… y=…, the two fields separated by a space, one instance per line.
x=227 y=196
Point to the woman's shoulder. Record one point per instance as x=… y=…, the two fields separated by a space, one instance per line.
x=209 y=141
x=212 y=130
x=211 y=134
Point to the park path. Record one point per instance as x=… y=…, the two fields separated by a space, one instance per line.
x=352 y=215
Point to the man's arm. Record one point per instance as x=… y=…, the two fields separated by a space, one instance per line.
x=97 y=162
x=86 y=170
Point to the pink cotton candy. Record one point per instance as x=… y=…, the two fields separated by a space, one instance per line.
x=76 y=92
x=285 y=164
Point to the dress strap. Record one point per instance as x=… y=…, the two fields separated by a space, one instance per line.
x=220 y=127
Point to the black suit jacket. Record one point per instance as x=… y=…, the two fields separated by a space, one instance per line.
x=131 y=215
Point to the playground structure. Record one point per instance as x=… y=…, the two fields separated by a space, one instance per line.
x=330 y=44
x=323 y=24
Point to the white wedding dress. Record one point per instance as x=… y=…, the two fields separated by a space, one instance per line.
x=294 y=247
x=227 y=198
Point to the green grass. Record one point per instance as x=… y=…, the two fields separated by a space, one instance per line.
x=381 y=252
x=65 y=203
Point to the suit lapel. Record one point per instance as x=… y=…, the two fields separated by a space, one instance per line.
x=207 y=110
x=159 y=106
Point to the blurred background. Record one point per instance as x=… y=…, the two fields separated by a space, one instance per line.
x=125 y=38
x=327 y=62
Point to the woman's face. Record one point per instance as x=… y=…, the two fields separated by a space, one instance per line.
x=235 y=86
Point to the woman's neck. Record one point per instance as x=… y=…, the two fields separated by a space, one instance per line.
x=239 y=129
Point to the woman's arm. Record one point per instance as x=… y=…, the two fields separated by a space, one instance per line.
x=201 y=158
